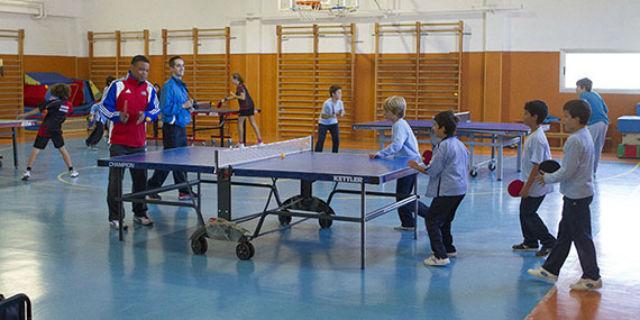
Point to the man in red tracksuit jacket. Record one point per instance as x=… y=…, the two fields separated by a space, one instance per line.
x=130 y=102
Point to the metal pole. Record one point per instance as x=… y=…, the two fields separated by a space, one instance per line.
x=363 y=196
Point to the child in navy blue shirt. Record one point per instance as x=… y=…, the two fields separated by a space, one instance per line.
x=447 y=170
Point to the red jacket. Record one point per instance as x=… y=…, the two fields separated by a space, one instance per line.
x=137 y=97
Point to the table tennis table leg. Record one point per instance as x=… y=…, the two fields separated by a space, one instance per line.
x=493 y=148
x=500 y=158
x=224 y=194
x=416 y=207
x=15 y=147
x=221 y=129
x=363 y=194
x=193 y=128
x=199 y=200
x=471 y=151
x=519 y=165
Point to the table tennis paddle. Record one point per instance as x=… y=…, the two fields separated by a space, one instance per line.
x=549 y=166
x=426 y=156
x=515 y=187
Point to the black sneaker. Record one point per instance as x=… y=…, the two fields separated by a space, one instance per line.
x=543 y=252
x=523 y=247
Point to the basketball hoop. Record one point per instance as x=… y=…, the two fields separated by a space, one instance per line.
x=306 y=8
x=341 y=11
x=307 y=5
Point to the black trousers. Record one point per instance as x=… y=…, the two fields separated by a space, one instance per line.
x=575 y=227
x=438 y=221
x=116 y=175
x=172 y=137
x=533 y=228
x=95 y=135
x=404 y=186
x=322 y=134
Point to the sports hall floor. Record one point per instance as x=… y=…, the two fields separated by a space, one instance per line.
x=56 y=246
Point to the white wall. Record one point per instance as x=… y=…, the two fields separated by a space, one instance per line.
x=542 y=25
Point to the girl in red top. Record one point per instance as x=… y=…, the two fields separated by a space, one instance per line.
x=57 y=110
x=247 y=109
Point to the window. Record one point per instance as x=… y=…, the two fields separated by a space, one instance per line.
x=616 y=72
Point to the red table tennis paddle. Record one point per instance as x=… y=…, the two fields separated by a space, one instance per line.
x=515 y=187
x=426 y=156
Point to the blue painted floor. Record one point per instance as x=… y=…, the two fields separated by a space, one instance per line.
x=58 y=249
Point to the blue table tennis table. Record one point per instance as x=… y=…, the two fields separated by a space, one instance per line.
x=273 y=161
x=492 y=134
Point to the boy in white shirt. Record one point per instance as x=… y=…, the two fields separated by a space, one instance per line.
x=536 y=150
x=576 y=184
x=403 y=144
x=331 y=109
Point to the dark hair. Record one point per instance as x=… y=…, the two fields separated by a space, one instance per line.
x=109 y=79
x=333 y=89
x=448 y=121
x=139 y=58
x=173 y=60
x=238 y=77
x=578 y=109
x=537 y=108
x=61 y=90
x=585 y=83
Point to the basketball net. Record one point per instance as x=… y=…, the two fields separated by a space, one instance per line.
x=309 y=10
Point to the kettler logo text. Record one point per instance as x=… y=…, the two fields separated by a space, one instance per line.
x=348 y=179
x=121 y=165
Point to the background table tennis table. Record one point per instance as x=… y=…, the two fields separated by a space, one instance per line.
x=14 y=125
x=492 y=134
x=224 y=115
x=267 y=161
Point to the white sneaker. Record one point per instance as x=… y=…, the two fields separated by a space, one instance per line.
x=587 y=284
x=238 y=145
x=74 y=174
x=260 y=144
x=115 y=224
x=433 y=261
x=543 y=274
x=26 y=175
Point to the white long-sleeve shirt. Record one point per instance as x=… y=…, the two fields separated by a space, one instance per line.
x=449 y=169
x=403 y=142
x=576 y=173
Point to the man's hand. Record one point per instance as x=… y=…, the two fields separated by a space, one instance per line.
x=140 y=117
x=187 y=104
x=372 y=155
x=540 y=178
x=124 y=117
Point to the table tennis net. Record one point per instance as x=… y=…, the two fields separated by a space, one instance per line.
x=235 y=156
